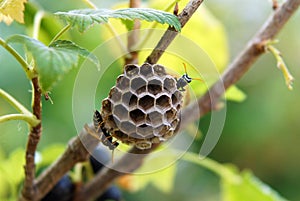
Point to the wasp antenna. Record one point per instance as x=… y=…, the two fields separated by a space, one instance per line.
x=184 y=65
x=197 y=79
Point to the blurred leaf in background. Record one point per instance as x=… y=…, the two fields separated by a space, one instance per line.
x=261 y=134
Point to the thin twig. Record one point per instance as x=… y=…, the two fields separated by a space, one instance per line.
x=30 y=119
x=13 y=102
x=29 y=190
x=18 y=57
x=60 y=33
x=37 y=23
x=235 y=71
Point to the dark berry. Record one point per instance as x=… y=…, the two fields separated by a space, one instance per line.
x=99 y=158
x=112 y=193
x=62 y=191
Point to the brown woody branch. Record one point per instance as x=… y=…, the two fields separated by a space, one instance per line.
x=28 y=191
x=75 y=152
x=234 y=72
x=240 y=65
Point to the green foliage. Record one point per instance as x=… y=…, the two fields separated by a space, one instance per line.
x=50 y=154
x=247 y=188
x=83 y=19
x=163 y=179
x=54 y=61
x=11 y=175
x=49 y=26
x=236 y=185
x=233 y=93
x=11 y=168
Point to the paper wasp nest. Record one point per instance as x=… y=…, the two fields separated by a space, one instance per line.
x=143 y=107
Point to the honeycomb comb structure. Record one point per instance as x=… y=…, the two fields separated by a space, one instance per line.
x=143 y=107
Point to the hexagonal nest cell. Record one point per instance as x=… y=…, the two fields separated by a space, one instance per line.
x=143 y=107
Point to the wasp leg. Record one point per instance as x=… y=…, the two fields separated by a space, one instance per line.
x=91 y=132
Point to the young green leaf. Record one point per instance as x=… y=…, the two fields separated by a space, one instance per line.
x=280 y=63
x=84 y=18
x=54 y=61
x=236 y=186
x=66 y=45
x=163 y=178
x=247 y=189
x=233 y=93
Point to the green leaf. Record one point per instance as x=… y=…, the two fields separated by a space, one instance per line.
x=84 y=18
x=233 y=93
x=66 y=45
x=54 y=61
x=49 y=26
x=51 y=153
x=236 y=186
x=248 y=188
x=163 y=178
x=128 y=24
x=13 y=170
x=202 y=42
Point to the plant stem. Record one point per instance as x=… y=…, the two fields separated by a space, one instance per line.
x=171 y=33
x=29 y=192
x=146 y=37
x=13 y=102
x=30 y=119
x=14 y=53
x=133 y=36
x=211 y=165
x=37 y=23
x=60 y=33
x=115 y=34
x=281 y=65
x=90 y=4
x=109 y=27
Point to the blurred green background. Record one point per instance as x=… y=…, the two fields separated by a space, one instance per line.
x=262 y=133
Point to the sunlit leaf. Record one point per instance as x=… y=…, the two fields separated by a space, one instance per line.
x=236 y=185
x=233 y=93
x=51 y=153
x=13 y=170
x=54 y=61
x=205 y=47
x=49 y=26
x=202 y=42
x=248 y=188
x=83 y=19
x=11 y=10
x=162 y=179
